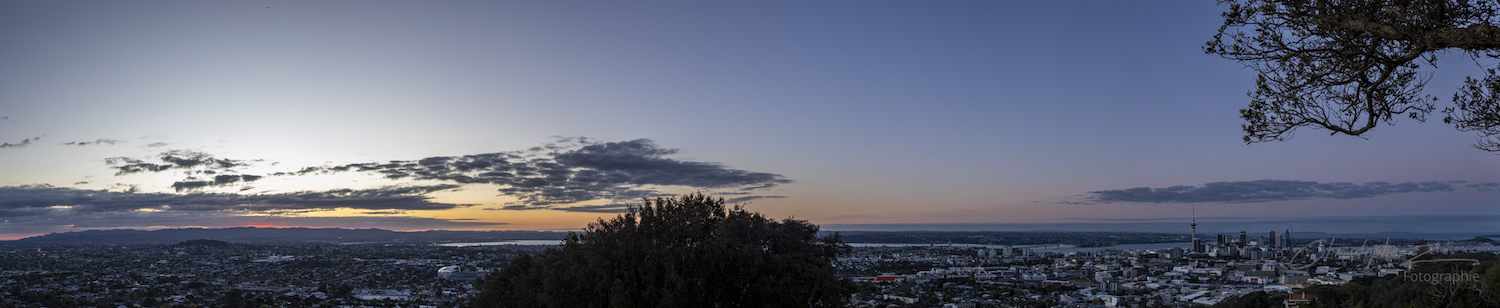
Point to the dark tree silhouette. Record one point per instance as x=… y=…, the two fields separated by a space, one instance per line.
x=689 y=251
x=1258 y=299
x=1477 y=288
x=1349 y=65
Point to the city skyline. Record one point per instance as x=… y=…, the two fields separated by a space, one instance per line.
x=548 y=116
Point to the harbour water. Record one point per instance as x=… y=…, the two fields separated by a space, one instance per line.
x=514 y=242
x=1046 y=247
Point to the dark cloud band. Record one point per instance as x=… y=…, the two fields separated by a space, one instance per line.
x=1274 y=190
x=606 y=208
x=570 y=171
x=1405 y=226
x=21 y=201
x=176 y=159
x=218 y=180
x=64 y=222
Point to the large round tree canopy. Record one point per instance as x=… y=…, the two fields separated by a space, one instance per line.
x=689 y=251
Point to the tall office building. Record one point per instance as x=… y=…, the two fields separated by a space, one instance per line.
x=1244 y=240
x=1273 y=242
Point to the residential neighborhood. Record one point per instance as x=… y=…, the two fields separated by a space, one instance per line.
x=1161 y=275
x=210 y=273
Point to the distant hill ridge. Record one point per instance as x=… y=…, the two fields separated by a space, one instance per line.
x=266 y=235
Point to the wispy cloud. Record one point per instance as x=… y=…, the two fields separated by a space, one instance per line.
x=1273 y=190
x=383 y=212
x=20 y=144
x=193 y=161
x=95 y=142
x=1484 y=186
x=748 y=198
x=606 y=208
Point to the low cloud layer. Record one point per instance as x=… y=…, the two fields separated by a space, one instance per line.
x=606 y=208
x=1276 y=190
x=65 y=222
x=552 y=176
x=1409 y=226
x=748 y=198
x=20 y=202
x=570 y=171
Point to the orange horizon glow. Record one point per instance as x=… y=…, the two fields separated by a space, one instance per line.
x=18 y=236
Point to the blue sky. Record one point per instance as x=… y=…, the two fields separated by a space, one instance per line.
x=842 y=113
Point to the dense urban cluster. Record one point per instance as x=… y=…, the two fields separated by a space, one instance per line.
x=1202 y=273
x=1080 y=239
x=204 y=273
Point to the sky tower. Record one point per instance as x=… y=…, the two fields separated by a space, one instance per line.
x=1196 y=246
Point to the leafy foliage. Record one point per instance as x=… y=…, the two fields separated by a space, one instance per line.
x=1256 y=299
x=1466 y=286
x=1478 y=110
x=689 y=251
x=1349 y=65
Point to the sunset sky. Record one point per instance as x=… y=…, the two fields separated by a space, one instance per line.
x=546 y=115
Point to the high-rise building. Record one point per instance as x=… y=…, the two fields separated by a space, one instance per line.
x=1289 y=242
x=1244 y=240
x=1273 y=242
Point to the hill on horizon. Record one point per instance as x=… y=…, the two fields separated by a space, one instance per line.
x=265 y=235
